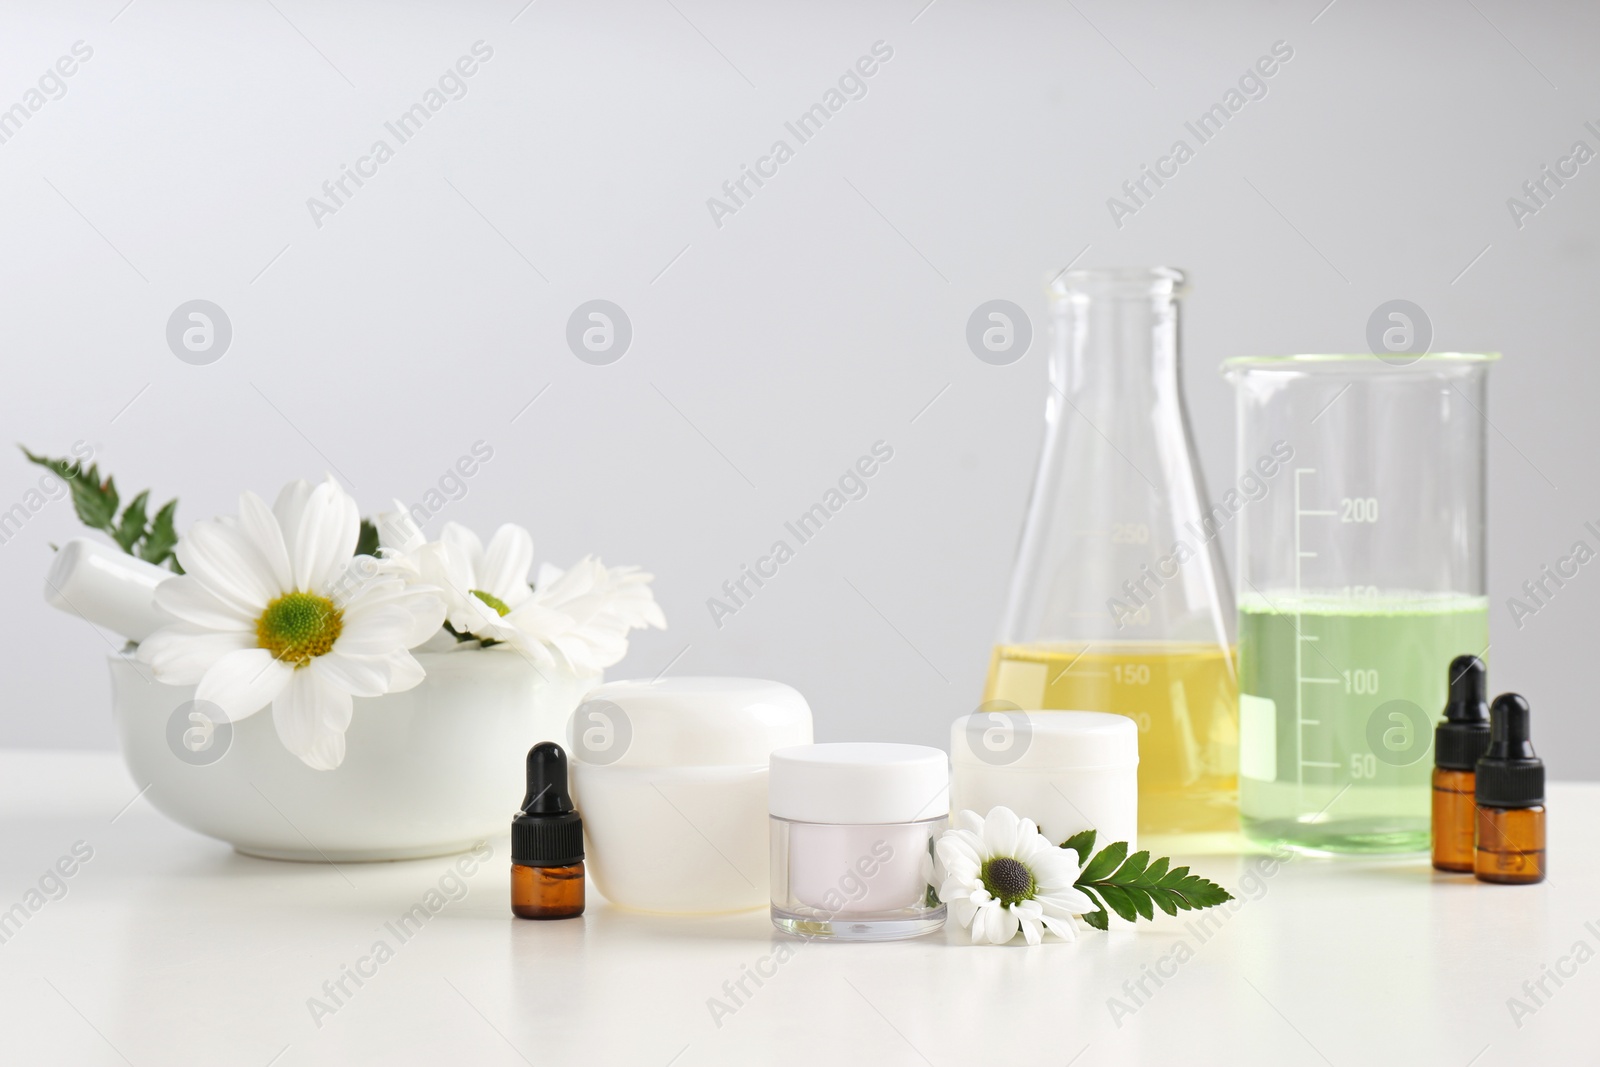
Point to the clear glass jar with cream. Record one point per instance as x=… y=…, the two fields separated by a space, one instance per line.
x=852 y=834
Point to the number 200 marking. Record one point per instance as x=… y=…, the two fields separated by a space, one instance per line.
x=1358 y=509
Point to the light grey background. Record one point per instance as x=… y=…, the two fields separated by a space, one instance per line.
x=772 y=351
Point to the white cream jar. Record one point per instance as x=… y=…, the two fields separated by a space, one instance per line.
x=1066 y=770
x=671 y=778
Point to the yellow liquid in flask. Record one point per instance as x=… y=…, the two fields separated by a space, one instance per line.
x=1184 y=698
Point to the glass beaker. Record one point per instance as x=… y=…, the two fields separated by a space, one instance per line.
x=1361 y=576
x=1119 y=601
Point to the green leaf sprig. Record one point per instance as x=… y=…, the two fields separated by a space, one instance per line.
x=1133 y=886
x=96 y=500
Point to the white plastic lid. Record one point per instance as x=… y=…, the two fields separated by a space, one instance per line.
x=1044 y=740
x=857 y=783
x=687 y=722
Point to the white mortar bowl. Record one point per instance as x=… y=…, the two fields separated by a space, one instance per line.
x=427 y=772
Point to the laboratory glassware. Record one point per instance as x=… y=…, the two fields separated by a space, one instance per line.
x=1361 y=577
x=1119 y=601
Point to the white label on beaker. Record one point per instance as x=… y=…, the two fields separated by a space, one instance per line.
x=1258 y=738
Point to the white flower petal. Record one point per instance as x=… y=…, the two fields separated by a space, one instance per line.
x=220 y=557
x=451 y=564
x=1066 y=929
x=375 y=632
x=1066 y=902
x=538 y=620
x=183 y=597
x=242 y=683
x=422 y=605
x=404 y=671
x=953 y=845
x=980 y=921
x=962 y=910
x=311 y=717
x=364 y=580
x=290 y=505
x=260 y=527
x=1031 y=843
x=461 y=557
x=596 y=608
x=468 y=543
x=957 y=862
x=537 y=652
x=358 y=676
x=506 y=563
x=1000 y=828
x=324 y=542
x=1002 y=925
x=1032 y=929
x=427 y=617
x=397 y=530
x=1038 y=849
x=1053 y=874
x=972 y=842
x=971 y=822
x=182 y=653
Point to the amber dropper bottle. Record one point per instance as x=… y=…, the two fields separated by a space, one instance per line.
x=1510 y=792
x=547 y=842
x=1458 y=742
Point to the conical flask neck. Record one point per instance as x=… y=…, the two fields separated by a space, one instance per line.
x=1116 y=343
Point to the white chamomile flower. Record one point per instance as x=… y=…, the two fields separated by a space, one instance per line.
x=1000 y=874
x=586 y=612
x=580 y=616
x=485 y=584
x=274 y=607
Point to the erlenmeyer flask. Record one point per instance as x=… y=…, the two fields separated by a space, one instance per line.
x=1119 y=601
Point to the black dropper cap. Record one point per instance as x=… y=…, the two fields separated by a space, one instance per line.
x=547 y=832
x=1463 y=737
x=1509 y=774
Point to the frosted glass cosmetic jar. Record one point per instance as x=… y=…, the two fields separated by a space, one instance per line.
x=1066 y=770
x=671 y=778
x=853 y=827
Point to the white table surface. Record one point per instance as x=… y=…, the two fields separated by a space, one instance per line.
x=167 y=948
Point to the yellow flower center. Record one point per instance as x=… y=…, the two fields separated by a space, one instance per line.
x=298 y=627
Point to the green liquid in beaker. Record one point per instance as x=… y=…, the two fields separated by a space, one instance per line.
x=1338 y=699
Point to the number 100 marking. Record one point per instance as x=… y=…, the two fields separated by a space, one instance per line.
x=1361 y=681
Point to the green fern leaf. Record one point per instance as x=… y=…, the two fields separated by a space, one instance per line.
x=1134 y=886
x=1082 y=843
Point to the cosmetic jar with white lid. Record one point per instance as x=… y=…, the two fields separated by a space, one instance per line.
x=671 y=777
x=853 y=826
x=1068 y=771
